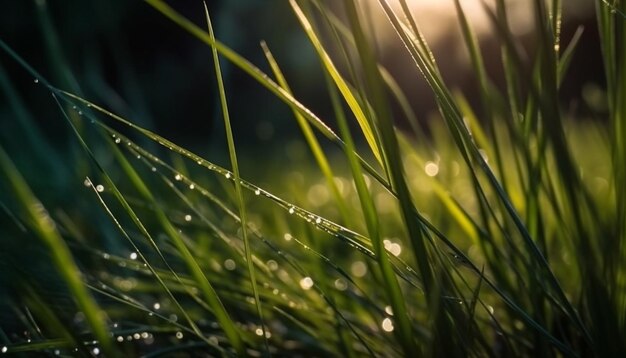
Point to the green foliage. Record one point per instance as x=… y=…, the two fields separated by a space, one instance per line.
x=501 y=233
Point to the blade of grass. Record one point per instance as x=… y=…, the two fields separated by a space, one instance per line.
x=236 y=177
x=44 y=227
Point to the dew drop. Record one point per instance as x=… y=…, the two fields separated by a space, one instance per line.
x=387 y=325
x=431 y=169
x=287 y=237
x=292 y=210
x=227 y=175
x=178 y=177
x=230 y=265
x=389 y=310
x=257 y=192
x=341 y=284
x=318 y=221
x=136 y=336
x=5 y=349
x=306 y=283
x=358 y=268
x=133 y=256
x=36 y=80
x=87 y=182
x=187 y=217
x=153 y=169
x=192 y=187
x=80 y=113
x=120 y=339
x=259 y=332
x=156 y=306
x=179 y=335
x=99 y=188
x=117 y=140
x=96 y=351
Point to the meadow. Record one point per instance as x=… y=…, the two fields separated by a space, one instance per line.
x=493 y=229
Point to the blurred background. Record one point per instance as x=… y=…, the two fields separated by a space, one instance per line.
x=125 y=55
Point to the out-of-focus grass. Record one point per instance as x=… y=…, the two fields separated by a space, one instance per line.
x=499 y=234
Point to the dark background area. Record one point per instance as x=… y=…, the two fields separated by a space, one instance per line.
x=128 y=57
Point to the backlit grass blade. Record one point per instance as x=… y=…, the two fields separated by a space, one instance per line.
x=394 y=292
x=312 y=141
x=236 y=177
x=346 y=92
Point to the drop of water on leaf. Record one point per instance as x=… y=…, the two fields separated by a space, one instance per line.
x=99 y=188
x=192 y=187
x=96 y=351
x=5 y=349
x=227 y=175
x=178 y=177
x=292 y=210
x=117 y=140
x=156 y=306
x=120 y=339
x=36 y=80
x=257 y=192
x=387 y=325
x=229 y=264
x=179 y=335
x=187 y=217
x=133 y=256
x=306 y=283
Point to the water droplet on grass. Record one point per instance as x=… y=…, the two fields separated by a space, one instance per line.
x=179 y=335
x=387 y=325
x=36 y=80
x=99 y=188
x=178 y=177
x=227 y=175
x=306 y=283
x=358 y=268
x=96 y=351
x=156 y=306
x=5 y=349
x=257 y=192
x=341 y=284
x=192 y=187
x=389 y=310
x=292 y=210
x=133 y=256
x=230 y=265
x=117 y=140
x=431 y=169
x=187 y=217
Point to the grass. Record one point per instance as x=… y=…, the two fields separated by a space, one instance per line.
x=500 y=233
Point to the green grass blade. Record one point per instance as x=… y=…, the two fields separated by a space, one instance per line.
x=312 y=141
x=236 y=177
x=346 y=92
x=44 y=227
